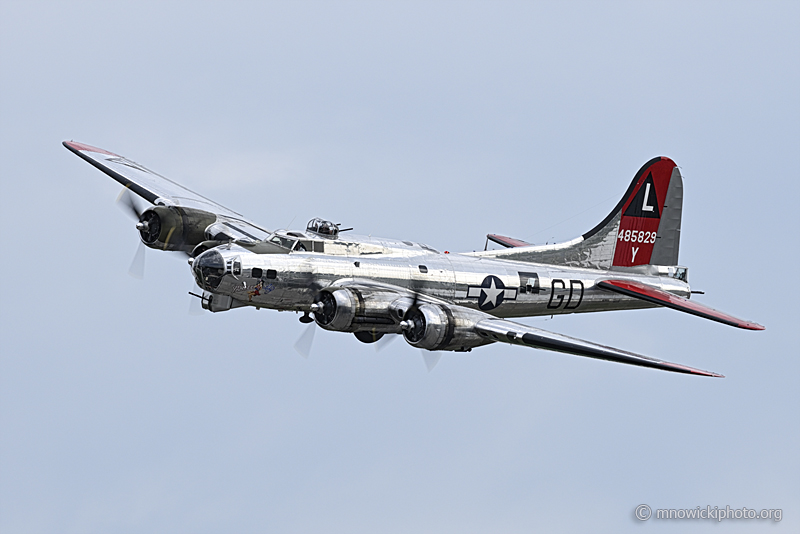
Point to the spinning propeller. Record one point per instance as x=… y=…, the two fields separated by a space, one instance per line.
x=413 y=324
x=127 y=204
x=305 y=341
x=324 y=307
x=150 y=225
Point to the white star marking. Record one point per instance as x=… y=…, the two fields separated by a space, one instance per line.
x=491 y=294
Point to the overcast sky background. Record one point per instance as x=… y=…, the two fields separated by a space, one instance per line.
x=434 y=122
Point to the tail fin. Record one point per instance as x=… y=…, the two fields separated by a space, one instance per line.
x=648 y=218
x=644 y=228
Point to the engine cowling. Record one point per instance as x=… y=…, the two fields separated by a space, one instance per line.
x=174 y=228
x=437 y=327
x=335 y=310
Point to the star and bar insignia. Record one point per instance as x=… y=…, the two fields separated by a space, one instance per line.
x=491 y=293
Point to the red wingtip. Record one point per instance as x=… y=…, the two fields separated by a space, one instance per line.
x=86 y=148
x=692 y=370
x=653 y=294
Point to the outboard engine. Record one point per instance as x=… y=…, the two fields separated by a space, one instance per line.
x=174 y=228
x=429 y=326
x=438 y=327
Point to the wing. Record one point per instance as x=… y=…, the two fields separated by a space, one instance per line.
x=157 y=189
x=467 y=328
x=657 y=296
x=527 y=336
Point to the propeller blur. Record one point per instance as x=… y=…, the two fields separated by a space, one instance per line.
x=380 y=289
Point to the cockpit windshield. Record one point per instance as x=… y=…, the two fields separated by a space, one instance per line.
x=322 y=227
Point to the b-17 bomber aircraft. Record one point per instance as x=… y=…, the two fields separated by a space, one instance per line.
x=373 y=287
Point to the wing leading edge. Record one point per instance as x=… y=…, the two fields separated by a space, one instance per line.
x=657 y=296
x=155 y=188
x=510 y=332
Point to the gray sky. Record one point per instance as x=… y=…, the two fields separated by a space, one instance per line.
x=435 y=122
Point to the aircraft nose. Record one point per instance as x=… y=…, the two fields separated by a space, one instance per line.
x=209 y=268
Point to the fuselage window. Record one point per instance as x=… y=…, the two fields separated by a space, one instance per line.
x=237 y=267
x=256 y=272
x=529 y=283
x=319 y=246
x=272 y=274
x=423 y=269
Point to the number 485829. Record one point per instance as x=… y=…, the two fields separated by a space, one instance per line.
x=637 y=236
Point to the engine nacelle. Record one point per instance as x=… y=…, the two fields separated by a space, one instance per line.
x=435 y=327
x=174 y=228
x=335 y=310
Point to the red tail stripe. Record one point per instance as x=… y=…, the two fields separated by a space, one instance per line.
x=649 y=189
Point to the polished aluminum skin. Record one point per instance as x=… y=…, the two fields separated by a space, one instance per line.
x=374 y=286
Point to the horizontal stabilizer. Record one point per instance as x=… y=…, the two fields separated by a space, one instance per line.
x=657 y=296
x=527 y=336
x=508 y=242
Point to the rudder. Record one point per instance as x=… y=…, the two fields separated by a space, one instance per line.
x=643 y=228
x=650 y=217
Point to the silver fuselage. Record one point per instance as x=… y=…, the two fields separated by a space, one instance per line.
x=501 y=288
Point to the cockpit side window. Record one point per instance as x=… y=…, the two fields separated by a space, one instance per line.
x=283 y=241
